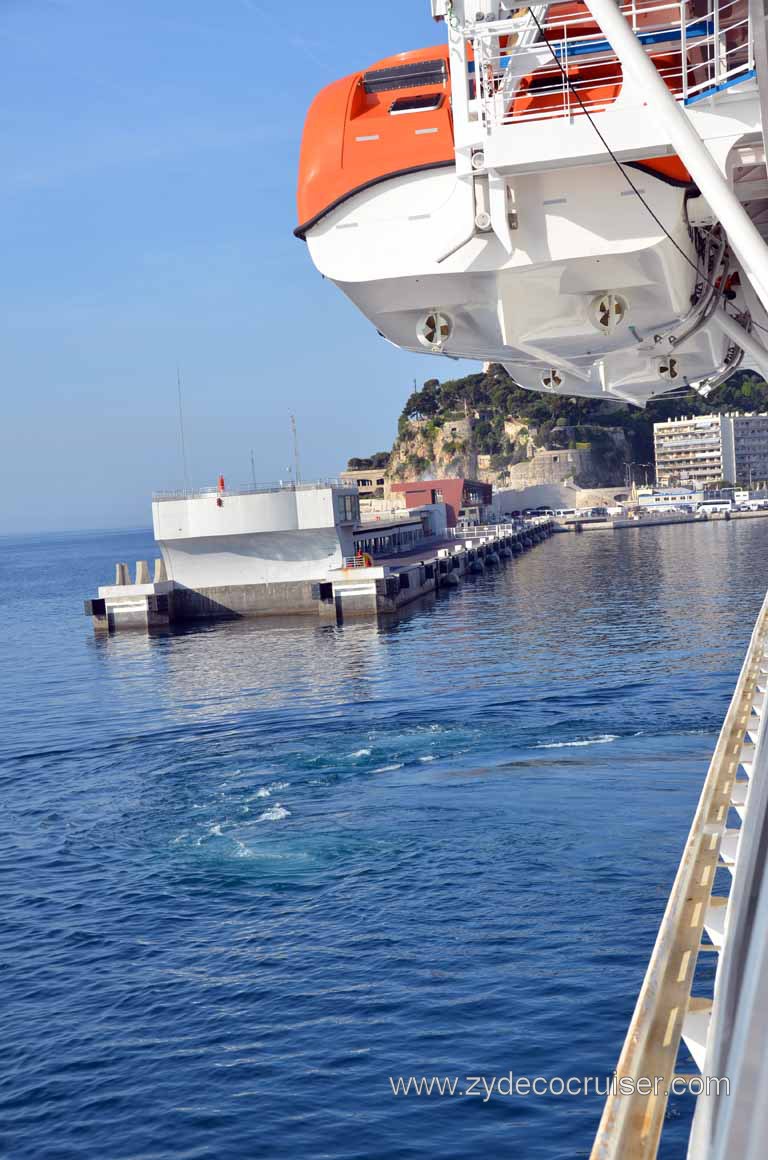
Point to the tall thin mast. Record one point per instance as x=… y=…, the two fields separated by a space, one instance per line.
x=296 y=469
x=182 y=438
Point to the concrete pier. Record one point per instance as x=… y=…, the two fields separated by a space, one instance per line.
x=142 y=604
x=383 y=589
x=358 y=587
x=654 y=520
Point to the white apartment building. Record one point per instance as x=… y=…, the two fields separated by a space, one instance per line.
x=703 y=449
x=750 y=439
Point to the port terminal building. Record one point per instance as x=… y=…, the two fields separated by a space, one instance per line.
x=254 y=549
x=705 y=449
x=466 y=500
x=260 y=550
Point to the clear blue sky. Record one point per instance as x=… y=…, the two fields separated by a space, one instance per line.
x=149 y=154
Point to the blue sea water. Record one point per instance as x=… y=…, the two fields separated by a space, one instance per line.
x=251 y=871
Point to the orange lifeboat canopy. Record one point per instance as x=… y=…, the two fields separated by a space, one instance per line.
x=395 y=118
x=392 y=119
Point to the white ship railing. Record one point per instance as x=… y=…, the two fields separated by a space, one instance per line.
x=667 y=1012
x=510 y=528
x=567 y=70
x=249 y=489
x=358 y=562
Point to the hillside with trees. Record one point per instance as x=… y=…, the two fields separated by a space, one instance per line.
x=444 y=427
x=377 y=461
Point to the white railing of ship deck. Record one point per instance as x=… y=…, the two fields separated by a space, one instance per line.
x=666 y=1011
x=697 y=53
x=248 y=489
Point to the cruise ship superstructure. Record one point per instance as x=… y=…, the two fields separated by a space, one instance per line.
x=575 y=190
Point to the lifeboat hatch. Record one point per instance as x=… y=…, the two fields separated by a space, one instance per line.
x=607 y=312
x=434 y=330
x=414 y=74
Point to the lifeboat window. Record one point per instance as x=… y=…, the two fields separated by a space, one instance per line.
x=421 y=104
x=405 y=76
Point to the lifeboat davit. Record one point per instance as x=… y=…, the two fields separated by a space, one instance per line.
x=511 y=196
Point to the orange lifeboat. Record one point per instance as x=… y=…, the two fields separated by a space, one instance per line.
x=394 y=118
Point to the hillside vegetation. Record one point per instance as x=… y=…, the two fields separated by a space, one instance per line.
x=444 y=427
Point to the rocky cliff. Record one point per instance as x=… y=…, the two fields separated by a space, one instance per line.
x=484 y=426
x=469 y=428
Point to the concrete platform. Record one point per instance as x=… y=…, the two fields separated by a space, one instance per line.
x=357 y=589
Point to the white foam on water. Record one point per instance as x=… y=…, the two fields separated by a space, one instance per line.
x=275 y=814
x=216 y=830
x=361 y=753
x=429 y=757
x=605 y=739
x=389 y=768
x=267 y=790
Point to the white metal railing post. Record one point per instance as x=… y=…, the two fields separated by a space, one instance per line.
x=683 y=52
x=750 y=41
x=716 y=48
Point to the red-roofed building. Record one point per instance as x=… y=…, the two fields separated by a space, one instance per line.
x=463 y=498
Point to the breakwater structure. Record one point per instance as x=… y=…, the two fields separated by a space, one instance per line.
x=652 y=520
x=718 y=907
x=295 y=549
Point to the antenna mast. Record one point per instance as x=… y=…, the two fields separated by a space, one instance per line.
x=181 y=430
x=296 y=470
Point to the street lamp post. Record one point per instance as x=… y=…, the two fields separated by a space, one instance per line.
x=629 y=475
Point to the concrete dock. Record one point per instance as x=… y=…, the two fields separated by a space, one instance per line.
x=384 y=588
x=657 y=519
x=358 y=586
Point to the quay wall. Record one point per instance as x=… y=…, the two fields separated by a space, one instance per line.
x=224 y=602
x=359 y=590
